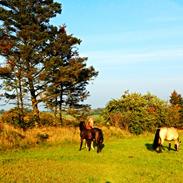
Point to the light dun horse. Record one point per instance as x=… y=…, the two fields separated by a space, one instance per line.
x=168 y=134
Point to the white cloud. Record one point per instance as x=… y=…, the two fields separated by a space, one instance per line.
x=121 y=57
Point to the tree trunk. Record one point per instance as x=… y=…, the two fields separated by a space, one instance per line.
x=60 y=106
x=34 y=102
x=20 y=103
x=35 y=110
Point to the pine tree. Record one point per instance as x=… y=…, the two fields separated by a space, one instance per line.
x=67 y=73
x=43 y=58
x=176 y=101
x=175 y=98
x=27 y=22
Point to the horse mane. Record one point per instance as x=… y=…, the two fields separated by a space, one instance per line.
x=156 y=139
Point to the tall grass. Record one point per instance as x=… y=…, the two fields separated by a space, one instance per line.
x=11 y=137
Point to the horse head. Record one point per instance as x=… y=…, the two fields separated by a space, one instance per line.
x=82 y=126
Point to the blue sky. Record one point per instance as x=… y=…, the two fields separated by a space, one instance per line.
x=135 y=45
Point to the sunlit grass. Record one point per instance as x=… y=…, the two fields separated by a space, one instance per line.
x=128 y=159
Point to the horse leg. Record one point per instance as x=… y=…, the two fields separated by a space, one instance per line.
x=81 y=144
x=94 y=143
x=161 y=144
x=89 y=144
x=160 y=148
x=176 y=145
x=98 y=144
x=99 y=147
x=92 y=146
x=86 y=145
x=169 y=147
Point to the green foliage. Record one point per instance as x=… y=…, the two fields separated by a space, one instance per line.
x=13 y=117
x=176 y=102
x=139 y=113
x=43 y=62
x=26 y=25
x=175 y=98
x=96 y=111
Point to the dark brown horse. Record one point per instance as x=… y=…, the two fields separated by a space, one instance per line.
x=98 y=139
x=93 y=134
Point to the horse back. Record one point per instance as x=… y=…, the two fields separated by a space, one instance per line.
x=168 y=133
x=86 y=134
x=172 y=134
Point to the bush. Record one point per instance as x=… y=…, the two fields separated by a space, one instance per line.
x=27 y=120
x=13 y=117
x=138 y=113
x=47 y=119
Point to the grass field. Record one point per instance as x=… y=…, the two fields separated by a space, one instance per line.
x=122 y=160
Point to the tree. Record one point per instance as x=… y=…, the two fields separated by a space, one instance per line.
x=42 y=55
x=137 y=112
x=67 y=72
x=175 y=98
x=27 y=22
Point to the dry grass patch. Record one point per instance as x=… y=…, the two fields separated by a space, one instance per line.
x=11 y=137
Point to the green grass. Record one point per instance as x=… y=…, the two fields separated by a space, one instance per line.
x=122 y=160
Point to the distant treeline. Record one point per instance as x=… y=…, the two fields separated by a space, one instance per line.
x=132 y=112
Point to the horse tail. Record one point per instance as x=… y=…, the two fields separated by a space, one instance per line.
x=156 y=139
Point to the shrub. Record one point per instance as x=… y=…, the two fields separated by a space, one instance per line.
x=12 y=117
x=137 y=113
x=47 y=119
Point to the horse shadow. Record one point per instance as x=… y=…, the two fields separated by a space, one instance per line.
x=149 y=147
